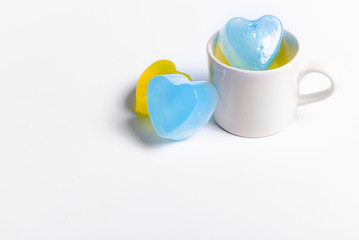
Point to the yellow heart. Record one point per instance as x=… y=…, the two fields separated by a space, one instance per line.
x=283 y=56
x=281 y=59
x=160 y=67
x=219 y=55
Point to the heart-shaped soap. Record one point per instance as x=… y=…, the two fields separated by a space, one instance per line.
x=157 y=68
x=177 y=107
x=251 y=45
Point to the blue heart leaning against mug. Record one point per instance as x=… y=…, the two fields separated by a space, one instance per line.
x=177 y=107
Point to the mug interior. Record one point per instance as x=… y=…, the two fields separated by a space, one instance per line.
x=289 y=41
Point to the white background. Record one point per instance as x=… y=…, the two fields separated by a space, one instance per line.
x=76 y=162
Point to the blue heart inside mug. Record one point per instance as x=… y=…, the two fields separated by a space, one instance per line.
x=251 y=45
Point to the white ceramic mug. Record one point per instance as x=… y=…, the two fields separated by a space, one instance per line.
x=262 y=103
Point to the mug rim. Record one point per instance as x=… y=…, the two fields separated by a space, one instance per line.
x=211 y=55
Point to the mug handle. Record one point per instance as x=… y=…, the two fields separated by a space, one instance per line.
x=316 y=96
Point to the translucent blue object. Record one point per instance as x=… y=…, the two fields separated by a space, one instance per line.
x=177 y=107
x=251 y=45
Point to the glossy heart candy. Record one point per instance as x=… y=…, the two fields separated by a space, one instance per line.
x=157 y=68
x=251 y=45
x=283 y=57
x=177 y=107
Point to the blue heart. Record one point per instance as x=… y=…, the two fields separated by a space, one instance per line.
x=177 y=107
x=251 y=45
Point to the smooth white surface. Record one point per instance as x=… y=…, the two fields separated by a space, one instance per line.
x=75 y=163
